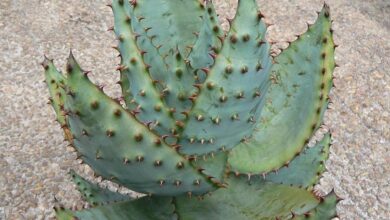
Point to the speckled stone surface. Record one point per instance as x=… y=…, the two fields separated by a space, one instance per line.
x=34 y=159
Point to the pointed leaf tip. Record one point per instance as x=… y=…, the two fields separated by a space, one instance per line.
x=71 y=56
x=45 y=57
x=46 y=62
x=326 y=10
x=326 y=7
x=244 y=5
x=72 y=63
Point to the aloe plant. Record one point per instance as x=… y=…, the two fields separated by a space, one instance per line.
x=210 y=125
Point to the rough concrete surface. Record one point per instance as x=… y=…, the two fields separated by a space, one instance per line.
x=34 y=159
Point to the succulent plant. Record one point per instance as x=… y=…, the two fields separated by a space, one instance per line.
x=210 y=125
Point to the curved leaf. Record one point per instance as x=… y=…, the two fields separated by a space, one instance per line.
x=296 y=100
x=121 y=149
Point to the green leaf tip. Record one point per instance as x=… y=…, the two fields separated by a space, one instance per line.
x=325 y=210
x=55 y=82
x=64 y=214
x=94 y=194
x=147 y=208
x=306 y=169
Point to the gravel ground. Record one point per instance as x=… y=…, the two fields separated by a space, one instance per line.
x=34 y=159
